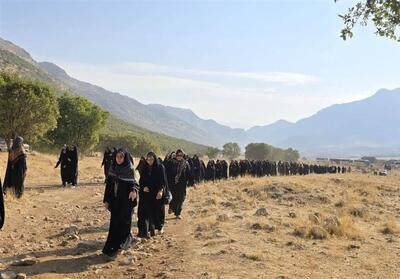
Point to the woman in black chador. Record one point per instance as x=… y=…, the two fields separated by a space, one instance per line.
x=65 y=163
x=182 y=178
x=151 y=185
x=107 y=161
x=120 y=199
x=73 y=156
x=16 y=168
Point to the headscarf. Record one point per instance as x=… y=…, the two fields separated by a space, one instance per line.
x=17 y=149
x=181 y=165
x=125 y=170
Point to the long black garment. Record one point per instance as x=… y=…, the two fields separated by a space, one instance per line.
x=65 y=169
x=2 y=211
x=178 y=187
x=73 y=156
x=150 y=208
x=15 y=174
x=120 y=183
x=107 y=161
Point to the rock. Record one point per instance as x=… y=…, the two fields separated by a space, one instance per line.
x=72 y=230
x=25 y=262
x=127 y=261
x=21 y=276
x=261 y=212
x=256 y=226
x=8 y=275
x=292 y=215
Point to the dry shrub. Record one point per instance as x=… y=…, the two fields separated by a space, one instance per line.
x=253 y=256
x=391 y=227
x=318 y=227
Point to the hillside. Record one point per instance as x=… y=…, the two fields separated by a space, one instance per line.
x=365 y=127
x=15 y=59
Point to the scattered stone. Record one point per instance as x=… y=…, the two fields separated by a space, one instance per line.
x=25 y=262
x=88 y=245
x=352 y=247
x=8 y=275
x=72 y=230
x=292 y=215
x=127 y=261
x=21 y=276
x=261 y=212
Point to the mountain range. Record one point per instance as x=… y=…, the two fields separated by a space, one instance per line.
x=358 y=128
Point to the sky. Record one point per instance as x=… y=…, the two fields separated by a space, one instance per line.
x=242 y=63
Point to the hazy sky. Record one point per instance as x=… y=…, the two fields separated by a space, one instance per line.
x=241 y=63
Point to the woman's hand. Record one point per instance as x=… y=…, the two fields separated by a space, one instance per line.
x=132 y=195
x=159 y=195
x=146 y=189
x=106 y=206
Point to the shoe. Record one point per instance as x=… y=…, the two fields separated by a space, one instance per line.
x=160 y=232
x=170 y=211
x=178 y=217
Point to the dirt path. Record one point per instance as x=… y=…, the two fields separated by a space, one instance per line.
x=36 y=227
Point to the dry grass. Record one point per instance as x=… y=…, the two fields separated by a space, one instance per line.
x=317 y=226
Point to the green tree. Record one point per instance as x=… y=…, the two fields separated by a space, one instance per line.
x=79 y=123
x=212 y=152
x=385 y=15
x=27 y=108
x=231 y=150
x=257 y=151
x=136 y=145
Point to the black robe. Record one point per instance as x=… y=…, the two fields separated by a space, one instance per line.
x=65 y=170
x=15 y=175
x=120 y=183
x=178 y=188
x=73 y=156
x=108 y=158
x=150 y=209
x=2 y=211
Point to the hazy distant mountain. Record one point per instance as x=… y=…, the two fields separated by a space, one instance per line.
x=361 y=127
x=368 y=126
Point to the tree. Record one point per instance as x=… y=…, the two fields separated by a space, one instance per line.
x=231 y=150
x=385 y=15
x=27 y=108
x=257 y=151
x=136 y=145
x=79 y=123
x=212 y=152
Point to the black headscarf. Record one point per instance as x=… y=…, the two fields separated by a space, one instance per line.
x=125 y=170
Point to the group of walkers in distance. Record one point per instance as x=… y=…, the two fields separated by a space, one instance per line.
x=68 y=162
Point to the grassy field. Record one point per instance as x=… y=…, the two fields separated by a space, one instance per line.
x=318 y=226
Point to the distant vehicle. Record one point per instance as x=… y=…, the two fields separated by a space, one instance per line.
x=383 y=173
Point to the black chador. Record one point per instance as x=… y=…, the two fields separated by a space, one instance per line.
x=183 y=178
x=152 y=183
x=73 y=156
x=119 y=186
x=65 y=163
x=16 y=168
x=2 y=212
x=107 y=161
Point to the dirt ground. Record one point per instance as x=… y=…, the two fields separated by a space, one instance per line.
x=318 y=226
